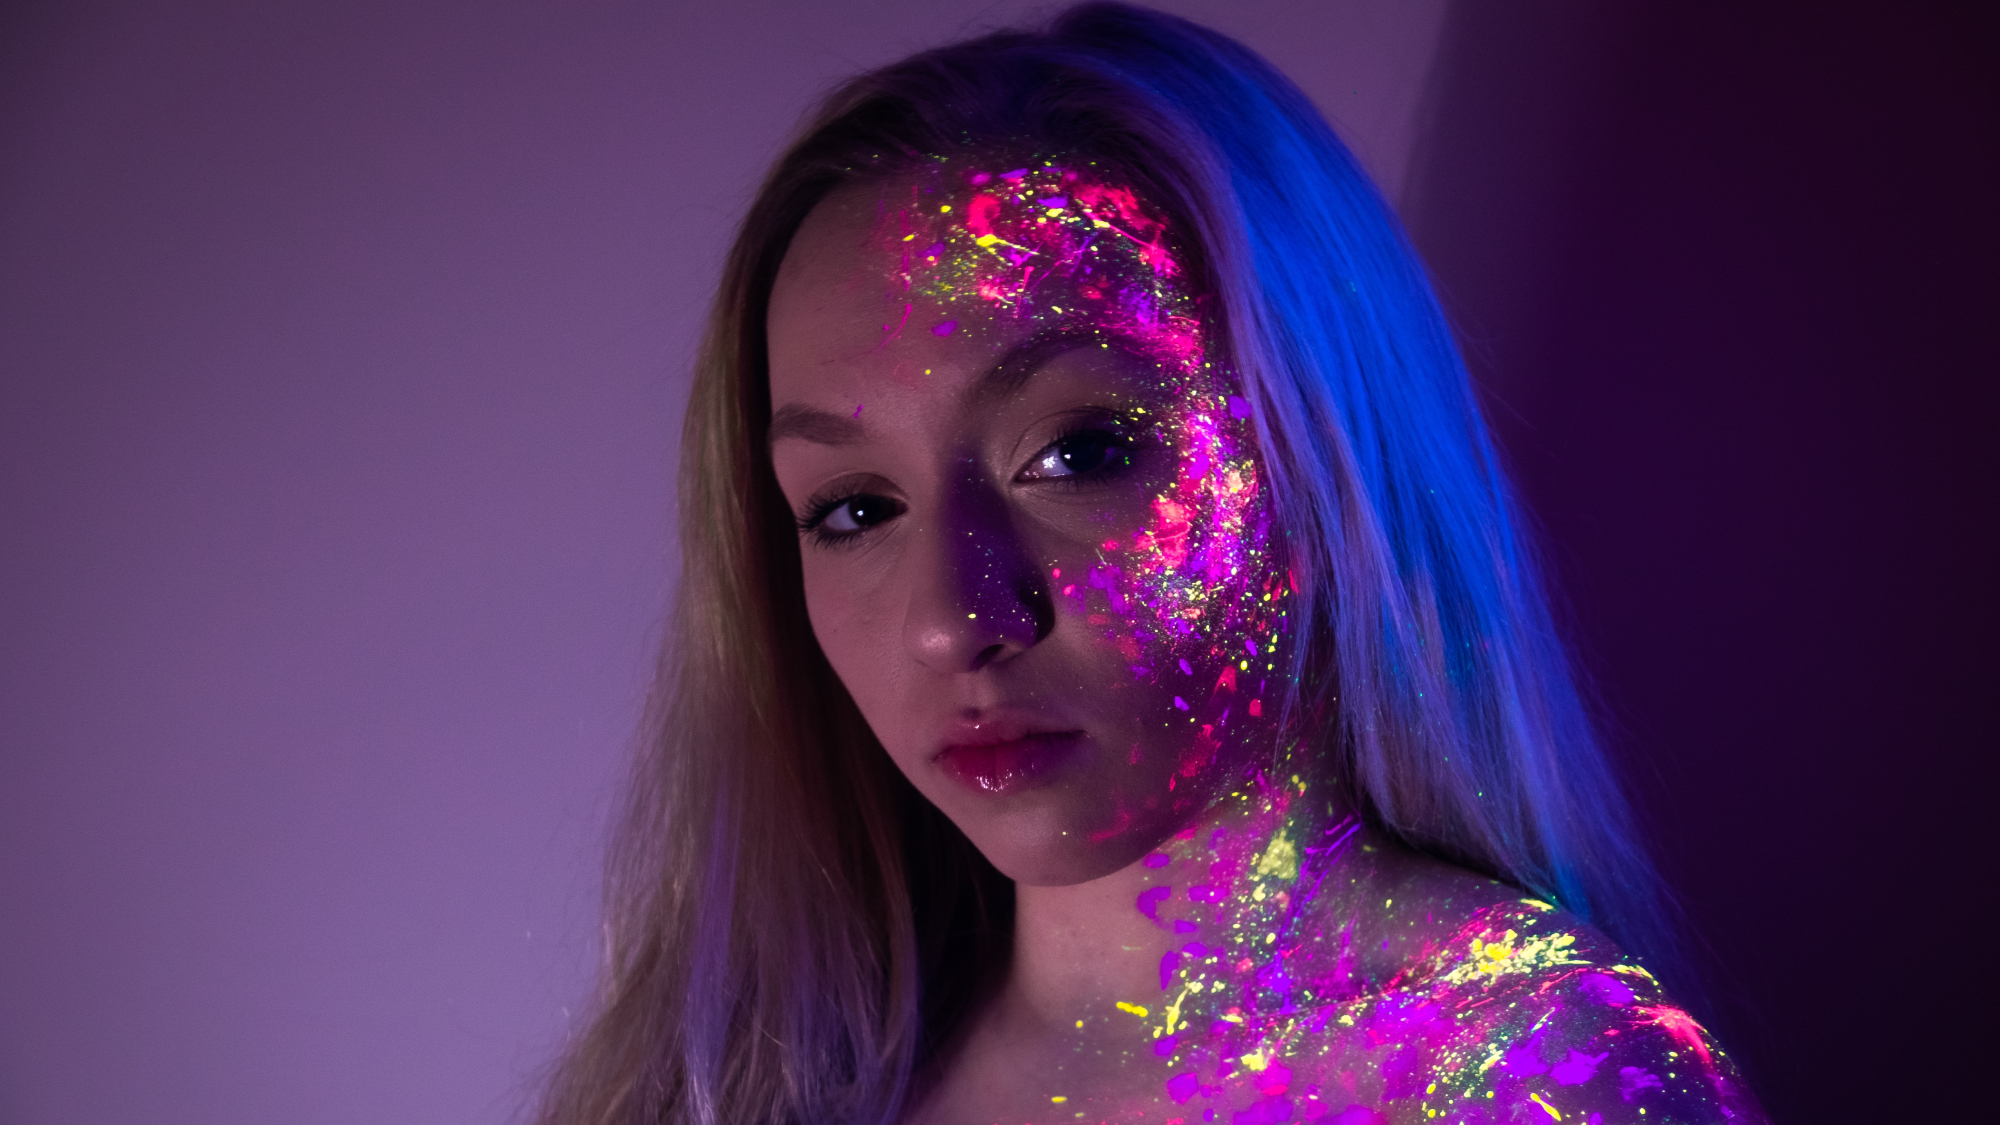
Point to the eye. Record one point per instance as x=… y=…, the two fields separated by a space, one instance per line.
x=858 y=512
x=1078 y=454
x=842 y=517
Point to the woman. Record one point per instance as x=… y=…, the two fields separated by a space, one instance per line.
x=1109 y=684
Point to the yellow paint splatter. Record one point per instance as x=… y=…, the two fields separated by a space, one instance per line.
x=1551 y=1110
x=1132 y=1008
x=1174 y=1010
x=1281 y=859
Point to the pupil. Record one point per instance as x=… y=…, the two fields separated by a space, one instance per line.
x=1082 y=454
x=865 y=510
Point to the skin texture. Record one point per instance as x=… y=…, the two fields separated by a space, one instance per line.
x=1036 y=551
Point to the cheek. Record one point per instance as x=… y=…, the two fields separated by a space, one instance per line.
x=1191 y=598
x=852 y=625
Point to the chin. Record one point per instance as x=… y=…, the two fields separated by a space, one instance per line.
x=1062 y=842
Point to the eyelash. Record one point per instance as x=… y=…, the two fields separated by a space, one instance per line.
x=811 y=522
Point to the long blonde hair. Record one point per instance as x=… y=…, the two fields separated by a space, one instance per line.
x=793 y=932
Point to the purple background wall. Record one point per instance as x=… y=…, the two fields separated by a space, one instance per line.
x=341 y=358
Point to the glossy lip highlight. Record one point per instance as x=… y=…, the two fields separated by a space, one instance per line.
x=1003 y=755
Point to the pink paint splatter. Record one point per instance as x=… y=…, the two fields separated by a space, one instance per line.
x=897 y=329
x=1681 y=1026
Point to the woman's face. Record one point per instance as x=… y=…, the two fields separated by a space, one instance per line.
x=1033 y=522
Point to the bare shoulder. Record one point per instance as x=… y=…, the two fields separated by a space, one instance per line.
x=1518 y=1012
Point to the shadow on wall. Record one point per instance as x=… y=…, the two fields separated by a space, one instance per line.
x=1725 y=277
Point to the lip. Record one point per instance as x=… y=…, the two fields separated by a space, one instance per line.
x=1003 y=755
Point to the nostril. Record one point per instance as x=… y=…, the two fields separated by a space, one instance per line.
x=987 y=656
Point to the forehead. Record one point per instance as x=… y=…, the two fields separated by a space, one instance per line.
x=926 y=277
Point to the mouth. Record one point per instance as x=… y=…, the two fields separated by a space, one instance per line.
x=1001 y=757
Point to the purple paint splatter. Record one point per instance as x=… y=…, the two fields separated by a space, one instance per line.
x=1578 y=1068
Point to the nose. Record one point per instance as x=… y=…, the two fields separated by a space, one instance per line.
x=977 y=596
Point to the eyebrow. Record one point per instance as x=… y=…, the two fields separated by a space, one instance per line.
x=808 y=423
x=1007 y=375
x=1024 y=359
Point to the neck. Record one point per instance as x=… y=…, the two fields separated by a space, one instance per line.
x=1154 y=941
x=1080 y=949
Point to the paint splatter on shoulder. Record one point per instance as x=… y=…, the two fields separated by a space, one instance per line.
x=1523 y=1014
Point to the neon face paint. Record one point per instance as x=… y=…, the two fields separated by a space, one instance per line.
x=1189 y=593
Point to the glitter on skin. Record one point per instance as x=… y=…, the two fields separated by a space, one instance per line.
x=1199 y=574
x=1521 y=1006
x=1198 y=580
x=1265 y=1012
